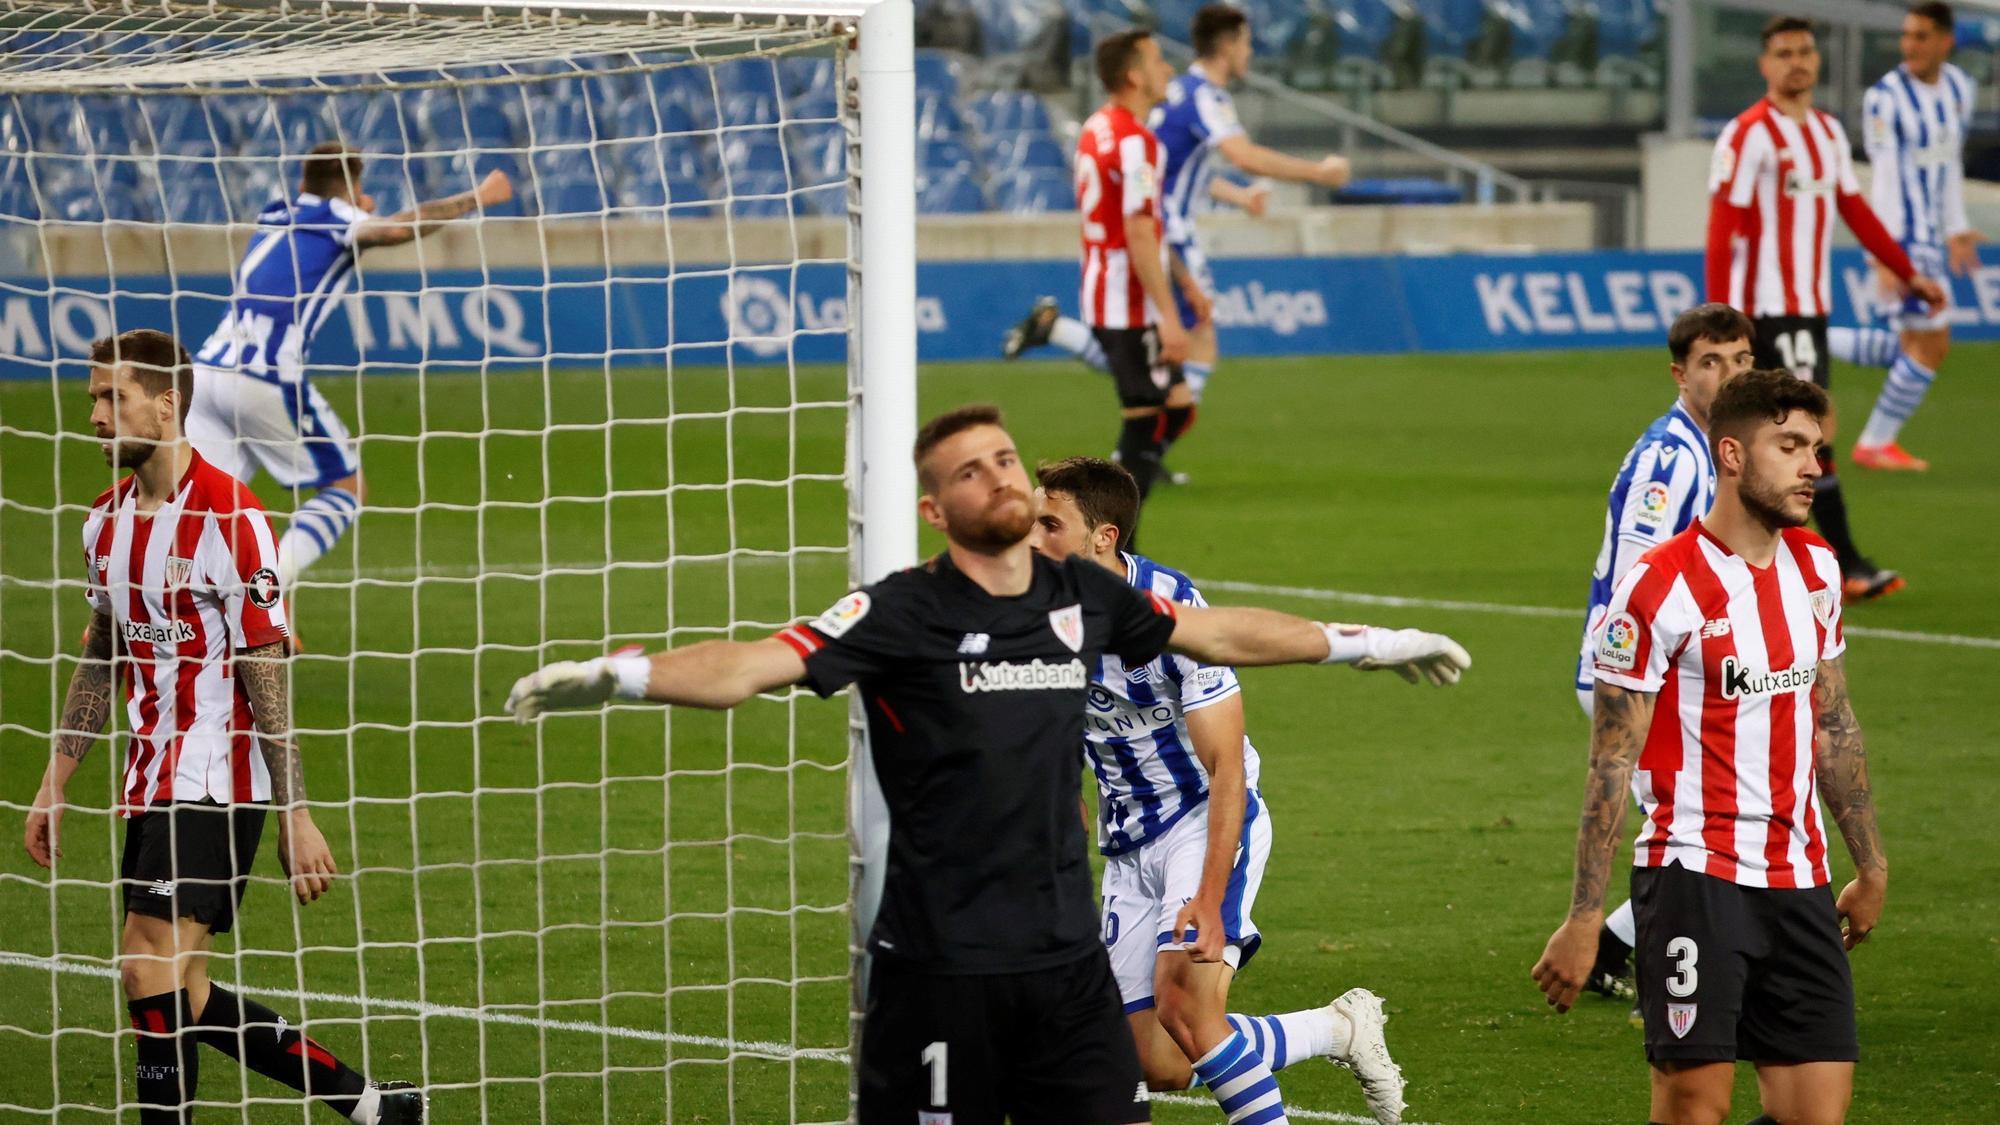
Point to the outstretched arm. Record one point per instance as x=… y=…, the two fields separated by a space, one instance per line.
x=410 y=225
x=1621 y=718
x=1843 y=782
x=1329 y=171
x=716 y=675
x=302 y=850
x=86 y=706
x=1240 y=636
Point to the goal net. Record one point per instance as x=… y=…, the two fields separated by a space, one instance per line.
x=625 y=406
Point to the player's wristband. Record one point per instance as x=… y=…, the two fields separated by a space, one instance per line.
x=631 y=674
x=1345 y=644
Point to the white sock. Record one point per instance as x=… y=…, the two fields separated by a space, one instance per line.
x=1865 y=347
x=1902 y=392
x=1622 y=925
x=1197 y=375
x=368 y=1108
x=1293 y=1037
x=316 y=526
x=1074 y=337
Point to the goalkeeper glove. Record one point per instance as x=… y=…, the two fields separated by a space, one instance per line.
x=1410 y=653
x=571 y=685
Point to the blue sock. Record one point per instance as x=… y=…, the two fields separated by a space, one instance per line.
x=316 y=526
x=1902 y=393
x=1197 y=377
x=1866 y=347
x=1241 y=1082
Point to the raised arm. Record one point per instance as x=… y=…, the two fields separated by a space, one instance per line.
x=1241 y=636
x=86 y=707
x=410 y=225
x=1843 y=782
x=1217 y=733
x=1253 y=200
x=716 y=675
x=302 y=850
x=1621 y=718
x=1328 y=171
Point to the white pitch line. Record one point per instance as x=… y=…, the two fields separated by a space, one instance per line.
x=613 y=1031
x=1955 y=640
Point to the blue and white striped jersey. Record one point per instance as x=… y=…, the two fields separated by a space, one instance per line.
x=1666 y=481
x=1197 y=116
x=300 y=260
x=1915 y=136
x=1135 y=729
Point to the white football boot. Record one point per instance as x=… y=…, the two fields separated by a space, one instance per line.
x=1367 y=1053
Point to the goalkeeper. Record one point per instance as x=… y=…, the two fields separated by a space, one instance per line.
x=991 y=995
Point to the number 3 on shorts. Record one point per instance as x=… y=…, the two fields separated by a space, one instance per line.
x=935 y=1057
x=1684 y=952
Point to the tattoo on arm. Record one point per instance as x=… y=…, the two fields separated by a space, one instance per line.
x=262 y=670
x=1843 y=767
x=1618 y=733
x=88 y=702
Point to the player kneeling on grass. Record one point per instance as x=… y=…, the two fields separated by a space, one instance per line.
x=991 y=994
x=1185 y=835
x=181 y=580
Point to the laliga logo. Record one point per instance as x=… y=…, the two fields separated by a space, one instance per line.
x=1283 y=311
x=761 y=316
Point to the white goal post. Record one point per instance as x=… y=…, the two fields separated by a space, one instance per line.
x=69 y=221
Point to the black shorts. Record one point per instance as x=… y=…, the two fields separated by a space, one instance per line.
x=1133 y=357
x=1048 y=1047
x=1729 y=972
x=1796 y=344
x=190 y=859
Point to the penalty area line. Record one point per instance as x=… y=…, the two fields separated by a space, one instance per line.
x=1309 y=593
x=754 y=1047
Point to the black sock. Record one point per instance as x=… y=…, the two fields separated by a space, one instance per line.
x=1829 y=511
x=260 y=1039
x=169 y=1062
x=1180 y=419
x=1611 y=953
x=1141 y=441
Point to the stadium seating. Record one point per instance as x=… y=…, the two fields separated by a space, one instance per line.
x=952 y=193
x=1033 y=191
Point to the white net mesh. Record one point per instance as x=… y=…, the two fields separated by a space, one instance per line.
x=610 y=410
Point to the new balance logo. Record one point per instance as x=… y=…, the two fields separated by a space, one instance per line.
x=1716 y=627
x=975 y=644
x=1139 y=1095
x=162 y=887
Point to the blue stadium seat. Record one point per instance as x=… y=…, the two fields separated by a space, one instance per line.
x=753 y=151
x=759 y=196
x=194 y=193
x=55 y=173
x=290 y=125
x=690 y=88
x=453 y=174
x=1626 y=27
x=657 y=159
x=950 y=194
x=560 y=122
x=563 y=164
x=182 y=126
x=1010 y=111
x=689 y=199
x=106 y=125
x=818 y=152
x=396 y=184
x=255 y=189
x=816 y=105
x=937 y=74
x=1365 y=27
x=1028 y=150
x=641 y=118
x=801 y=76
x=824 y=199
x=750 y=109
x=747 y=76
x=371 y=125
x=1034 y=192
x=938 y=117
x=116 y=175
x=17 y=201
x=570 y=195
x=947 y=155
x=78 y=204
x=1407 y=190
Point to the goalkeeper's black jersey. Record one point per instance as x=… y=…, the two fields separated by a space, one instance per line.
x=975 y=716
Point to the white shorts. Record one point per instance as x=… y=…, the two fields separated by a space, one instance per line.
x=1196 y=261
x=238 y=422
x=1145 y=887
x=1910 y=314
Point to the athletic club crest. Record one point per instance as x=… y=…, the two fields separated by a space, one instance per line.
x=1822 y=605
x=1068 y=624
x=179 y=570
x=1680 y=1019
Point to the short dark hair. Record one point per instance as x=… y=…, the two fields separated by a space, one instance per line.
x=947 y=425
x=1715 y=322
x=157 y=361
x=1115 y=56
x=1747 y=401
x=1936 y=11
x=1212 y=24
x=331 y=168
x=1103 y=490
x=1779 y=25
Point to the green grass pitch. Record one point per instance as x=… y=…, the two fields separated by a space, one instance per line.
x=598 y=913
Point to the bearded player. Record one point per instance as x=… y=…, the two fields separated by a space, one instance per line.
x=183 y=588
x=1721 y=701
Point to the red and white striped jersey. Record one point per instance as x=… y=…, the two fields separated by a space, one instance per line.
x=186 y=588
x=1794 y=178
x=1726 y=777
x=1120 y=166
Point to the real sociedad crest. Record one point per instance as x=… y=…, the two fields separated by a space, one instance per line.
x=1068 y=624
x=1680 y=1019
